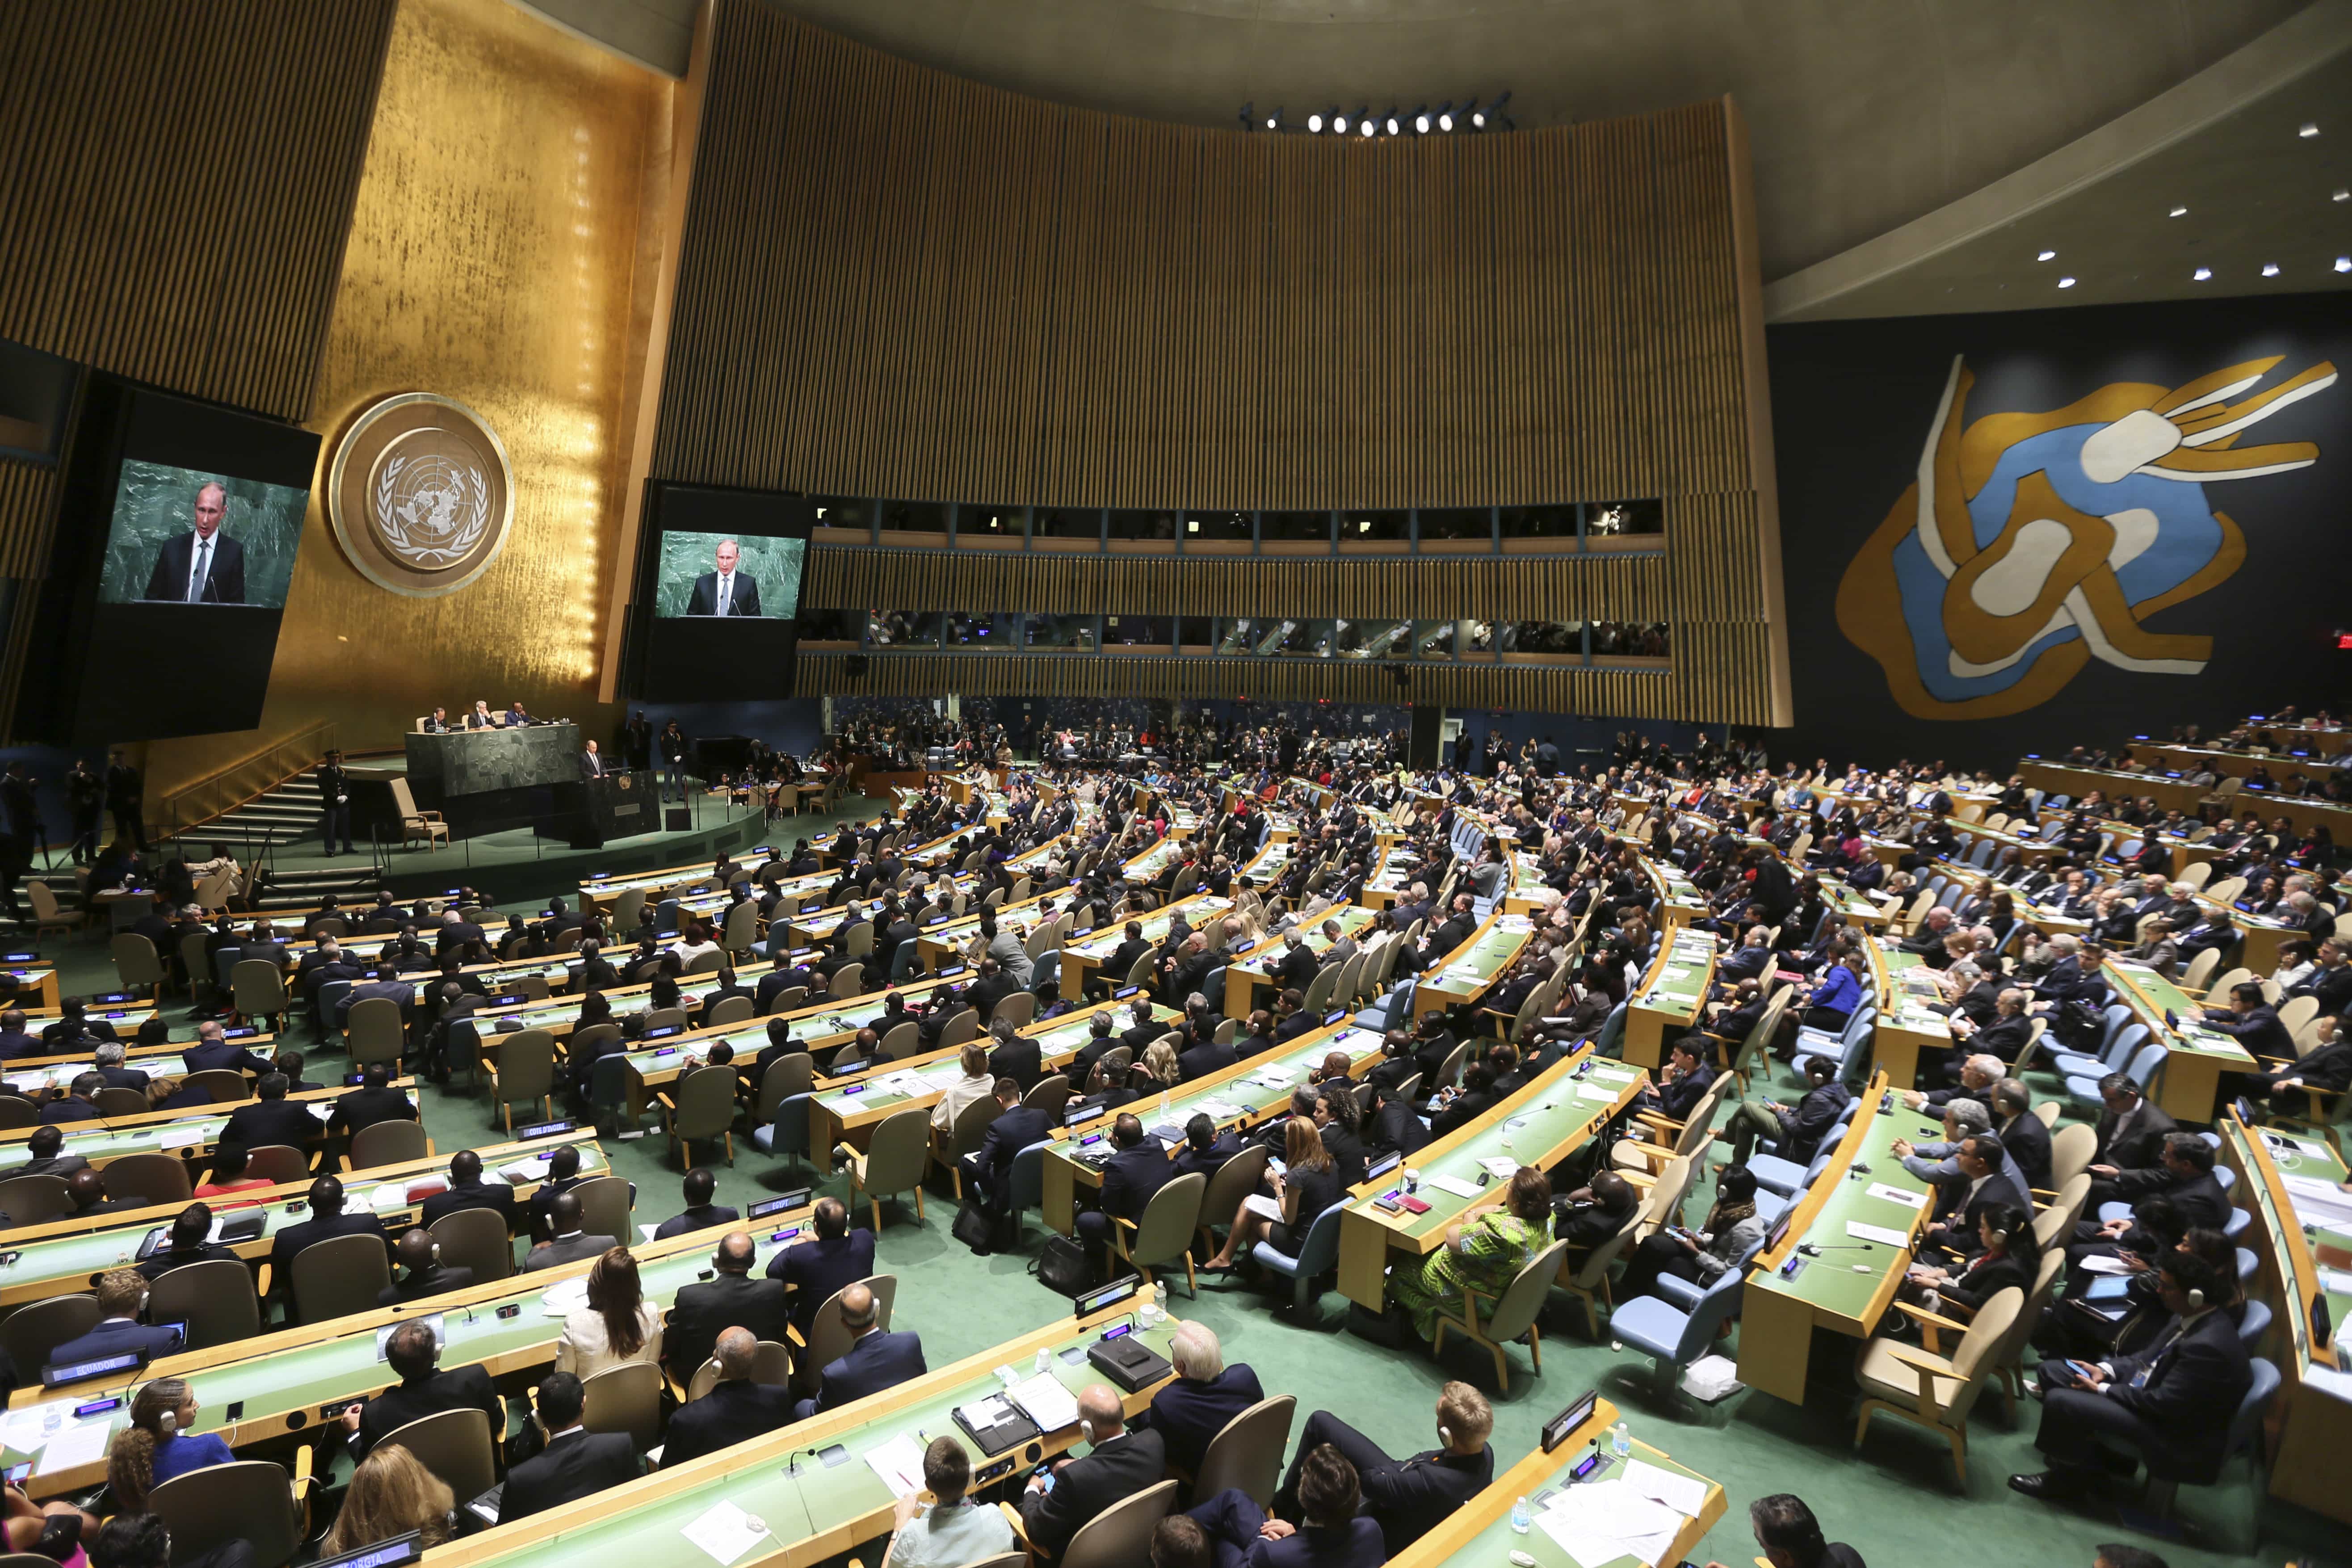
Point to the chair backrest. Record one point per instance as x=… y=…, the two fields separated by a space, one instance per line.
x=964 y=1024
x=625 y=1399
x=455 y=1444
x=1246 y=1453
x=1515 y=1312
x=1595 y=1267
x=662 y=1018
x=338 y=1276
x=135 y=962
x=829 y=1339
x=226 y=1085
x=1721 y=1301
x=790 y=1074
x=2070 y=1153
x=373 y=1028
x=726 y=1011
x=2254 y=1323
x=1120 y=1536
x=898 y=1042
x=971 y=1124
x=706 y=1102
x=158 y=1178
x=771 y=1365
x=2057 y=1222
x=389 y=1144
x=257 y=986
x=476 y=1239
x=246 y=1500
x=526 y=1065
x=33 y=1200
x=216 y=1299
x=1977 y=1356
x=2201 y=968
x=901 y=1148
x=2145 y=1064
x=605 y=1206
x=1018 y=1009
x=35 y=1328
x=1222 y=1198
x=1169 y=1220
x=16 y=1112
x=627 y=909
x=1051 y=1093
x=113 y=1102
x=848 y=981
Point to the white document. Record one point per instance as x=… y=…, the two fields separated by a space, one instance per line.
x=1454 y=1184
x=1219 y=1110
x=726 y=1533
x=1502 y=1170
x=1261 y=1205
x=1278 y=1077
x=1684 y=1494
x=181 y=1138
x=320 y=1110
x=21 y=1429
x=647 y=1231
x=1897 y=1195
x=1045 y=1401
x=1596 y=1092
x=1879 y=1233
x=388 y=1197
x=899 y=1463
x=75 y=1446
x=2104 y=1266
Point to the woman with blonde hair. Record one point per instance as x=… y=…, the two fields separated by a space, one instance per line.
x=977 y=1083
x=617 y=1326
x=157 y=1445
x=1159 y=1066
x=391 y=1494
x=1307 y=1185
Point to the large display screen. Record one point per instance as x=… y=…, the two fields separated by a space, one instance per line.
x=175 y=542
x=715 y=614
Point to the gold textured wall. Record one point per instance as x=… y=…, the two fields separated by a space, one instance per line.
x=498 y=255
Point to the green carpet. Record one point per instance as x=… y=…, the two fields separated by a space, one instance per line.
x=1894 y=1500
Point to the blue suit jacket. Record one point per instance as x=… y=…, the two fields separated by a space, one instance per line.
x=877 y=1362
x=1187 y=1412
x=815 y=1269
x=1359 y=1545
x=115 y=1338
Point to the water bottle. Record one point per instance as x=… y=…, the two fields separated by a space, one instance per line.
x=1163 y=1105
x=1621 y=1439
x=1519 y=1521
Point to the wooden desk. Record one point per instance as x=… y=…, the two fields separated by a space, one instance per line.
x=1667 y=1002
x=1540 y=1125
x=1847 y=1288
x=190 y=1132
x=37 y=987
x=2310 y=1425
x=1467 y=972
x=603 y=893
x=813 y=1511
x=2195 y=1057
x=1082 y=958
x=1478 y=1534
x=1905 y=1028
x=296 y=1380
x=1245 y=973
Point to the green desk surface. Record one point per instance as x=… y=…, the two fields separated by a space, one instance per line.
x=311 y=1375
x=1563 y=1108
x=71 y=1260
x=1679 y=983
x=30 y=1076
x=1674 y=886
x=2291 y=1157
x=563 y=1013
x=1853 y=903
x=2152 y=995
x=1396 y=871
x=1241 y=1087
x=1471 y=968
x=1196 y=910
x=1020 y=919
x=1492 y=1547
x=178 y=1132
x=1354 y=921
x=1909 y=989
x=1269 y=862
x=795 y=1501
x=1144 y=867
x=670 y=876
x=1847 y=1275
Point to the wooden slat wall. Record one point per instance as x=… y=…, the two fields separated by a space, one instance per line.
x=894 y=282
x=176 y=178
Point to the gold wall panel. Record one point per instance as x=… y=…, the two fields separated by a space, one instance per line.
x=495 y=257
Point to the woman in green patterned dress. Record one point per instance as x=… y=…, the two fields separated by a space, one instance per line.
x=1484 y=1254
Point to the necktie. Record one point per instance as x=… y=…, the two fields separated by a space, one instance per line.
x=725 y=586
x=204 y=565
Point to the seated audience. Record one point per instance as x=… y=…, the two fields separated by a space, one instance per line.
x=1117 y=1465
x=390 y=1495
x=159 y=1445
x=1406 y=1498
x=951 y=1530
x=877 y=1358
x=573 y=1462
x=1194 y=1405
x=1483 y=1253
x=734 y=1411
x=617 y=1326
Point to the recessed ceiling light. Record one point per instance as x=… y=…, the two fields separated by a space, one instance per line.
x=2343 y=194
x=2047 y=256
x=2180 y=212
x=2309 y=132
x=2344 y=264
x=2270 y=268
x=2202 y=274
x=2065 y=282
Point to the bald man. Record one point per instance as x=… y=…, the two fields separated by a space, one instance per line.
x=876 y=1359
x=736 y=1410
x=1116 y=1466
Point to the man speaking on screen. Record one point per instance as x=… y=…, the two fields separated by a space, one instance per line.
x=205 y=566
x=725 y=592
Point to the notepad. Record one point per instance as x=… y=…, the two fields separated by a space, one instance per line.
x=1878 y=1233
x=899 y=1463
x=725 y=1532
x=1454 y=1184
x=75 y=1446
x=1897 y=1195
x=1044 y=1400
x=181 y=1138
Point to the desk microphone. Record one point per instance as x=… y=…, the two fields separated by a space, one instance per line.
x=1814 y=1249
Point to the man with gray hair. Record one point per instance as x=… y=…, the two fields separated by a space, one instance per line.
x=108 y=1063
x=735 y=1410
x=1194 y=1407
x=1978 y=1074
x=2022 y=1132
x=1941 y=1162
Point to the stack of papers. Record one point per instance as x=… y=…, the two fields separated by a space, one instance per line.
x=1502 y=1170
x=1878 y=1233
x=726 y=1533
x=1219 y=1110
x=1456 y=1186
x=1610 y=1519
x=2317 y=1202
x=899 y=1463
x=1044 y=1400
x=1897 y=1195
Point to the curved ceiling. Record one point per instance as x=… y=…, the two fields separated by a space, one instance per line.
x=1864 y=114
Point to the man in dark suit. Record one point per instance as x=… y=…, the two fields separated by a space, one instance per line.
x=387 y=985
x=1209 y=1056
x=993 y=987
x=122 y=1293
x=1194 y=1405
x=203 y=566
x=563 y=1175
x=271 y=1118
x=2175 y=1401
x=1298 y=963
x=576 y=1463
x=426 y=1274
x=2009 y=1031
x=591 y=763
x=191 y=1242
x=1800 y=1128
x=334 y=802
x=2021 y=1132
x=78 y=1103
x=1406 y=1498
x=735 y=1410
x=47 y=1147
x=2132 y=1130
x=990 y=1166
x=327 y=1222
x=211 y=1051
x=731 y=1298
x=876 y=1360
x=467 y=1190
x=1123 y=957
x=374 y=1100
x=1137 y=1168
x=813 y=1271
x=1119 y=1465
x=1982 y=1185
x=570 y=1241
x=725 y=592
x=2253 y=1022
x=1016 y=1055
x=422 y=1390
x=700 y=1213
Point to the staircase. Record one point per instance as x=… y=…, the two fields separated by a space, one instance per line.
x=286 y=818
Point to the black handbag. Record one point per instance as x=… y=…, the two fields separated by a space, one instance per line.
x=973 y=1227
x=1064 y=1266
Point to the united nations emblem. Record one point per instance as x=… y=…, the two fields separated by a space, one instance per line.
x=420 y=494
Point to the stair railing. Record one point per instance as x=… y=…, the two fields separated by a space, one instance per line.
x=190 y=807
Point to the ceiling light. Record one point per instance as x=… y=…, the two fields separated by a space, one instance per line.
x=2065 y=282
x=1315 y=125
x=1273 y=120
x=2343 y=194
x=2344 y=264
x=1339 y=122
x=1445 y=122
x=1366 y=127
x=2047 y=256
x=2270 y=268
x=2180 y=212
x=2202 y=274
x=2309 y=132
x=1392 y=123
x=1421 y=122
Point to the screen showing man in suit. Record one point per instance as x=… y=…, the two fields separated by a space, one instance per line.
x=728 y=574
x=183 y=536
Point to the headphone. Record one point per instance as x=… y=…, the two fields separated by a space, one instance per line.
x=2196 y=1301
x=1445 y=1434
x=167 y=1423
